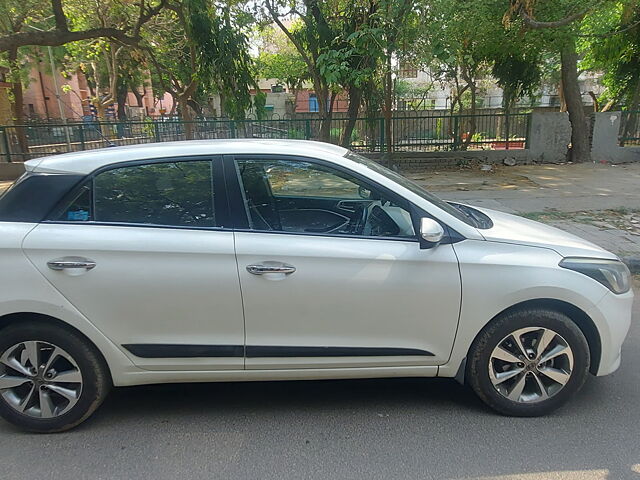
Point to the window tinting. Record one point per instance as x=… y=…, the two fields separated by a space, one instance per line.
x=177 y=194
x=298 y=196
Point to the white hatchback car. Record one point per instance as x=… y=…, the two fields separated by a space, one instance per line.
x=279 y=260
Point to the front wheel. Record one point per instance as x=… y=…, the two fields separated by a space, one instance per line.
x=528 y=362
x=51 y=379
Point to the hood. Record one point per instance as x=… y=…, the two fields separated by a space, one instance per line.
x=513 y=229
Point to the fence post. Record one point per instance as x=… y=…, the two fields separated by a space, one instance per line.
x=528 y=132
x=307 y=129
x=382 y=139
x=506 y=129
x=232 y=128
x=456 y=132
x=5 y=143
x=81 y=135
x=156 y=130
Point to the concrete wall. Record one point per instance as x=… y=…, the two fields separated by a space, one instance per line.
x=605 y=147
x=549 y=137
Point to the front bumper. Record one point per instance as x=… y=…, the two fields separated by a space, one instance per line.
x=612 y=316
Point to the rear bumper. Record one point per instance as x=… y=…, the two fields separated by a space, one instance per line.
x=612 y=316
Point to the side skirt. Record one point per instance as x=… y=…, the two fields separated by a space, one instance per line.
x=146 y=377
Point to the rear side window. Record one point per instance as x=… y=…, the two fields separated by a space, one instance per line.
x=173 y=194
x=33 y=196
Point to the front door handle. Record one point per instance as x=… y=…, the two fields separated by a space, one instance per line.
x=74 y=263
x=270 y=267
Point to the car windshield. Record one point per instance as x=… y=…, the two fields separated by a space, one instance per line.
x=412 y=186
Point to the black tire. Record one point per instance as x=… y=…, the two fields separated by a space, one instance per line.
x=477 y=373
x=96 y=380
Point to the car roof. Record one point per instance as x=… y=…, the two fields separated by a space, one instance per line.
x=87 y=161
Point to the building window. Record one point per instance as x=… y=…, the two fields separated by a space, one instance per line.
x=313 y=103
x=277 y=88
x=407 y=70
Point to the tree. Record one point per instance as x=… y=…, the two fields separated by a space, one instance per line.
x=197 y=46
x=312 y=38
x=562 y=19
x=464 y=38
x=279 y=59
x=355 y=57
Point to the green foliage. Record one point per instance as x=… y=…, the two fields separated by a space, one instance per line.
x=279 y=59
x=615 y=54
x=518 y=73
x=223 y=59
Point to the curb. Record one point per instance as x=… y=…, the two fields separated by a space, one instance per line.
x=633 y=263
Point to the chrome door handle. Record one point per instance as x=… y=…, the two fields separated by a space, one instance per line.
x=71 y=263
x=270 y=267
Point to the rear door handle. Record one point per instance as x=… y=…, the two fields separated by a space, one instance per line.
x=71 y=263
x=270 y=267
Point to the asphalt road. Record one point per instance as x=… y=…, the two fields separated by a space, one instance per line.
x=370 y=429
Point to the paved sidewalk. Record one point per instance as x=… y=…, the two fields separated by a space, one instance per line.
x=600 y=203
x=536 y=188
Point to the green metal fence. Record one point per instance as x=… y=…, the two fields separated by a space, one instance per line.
x=630 y=129
x=435 y=132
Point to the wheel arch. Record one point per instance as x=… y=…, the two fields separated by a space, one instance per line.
x=575 y=314
x=18 y=317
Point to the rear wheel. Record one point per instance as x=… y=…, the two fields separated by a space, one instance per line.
x=528 y=362
x=51 y=379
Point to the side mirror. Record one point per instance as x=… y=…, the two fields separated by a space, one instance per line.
x=431 y=232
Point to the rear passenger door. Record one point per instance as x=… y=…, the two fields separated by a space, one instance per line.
x=143 y=251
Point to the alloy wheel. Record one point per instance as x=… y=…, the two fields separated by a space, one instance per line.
x=531 y=365
x=39 y=379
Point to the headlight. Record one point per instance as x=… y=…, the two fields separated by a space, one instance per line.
x=613 y=274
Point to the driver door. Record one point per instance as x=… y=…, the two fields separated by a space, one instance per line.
x=320 y=292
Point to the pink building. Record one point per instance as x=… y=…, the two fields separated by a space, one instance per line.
x=40 y=97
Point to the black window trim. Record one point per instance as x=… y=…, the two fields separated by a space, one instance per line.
x=240 y=220
x=220 y=201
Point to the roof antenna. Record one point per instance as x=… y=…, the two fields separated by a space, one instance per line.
x=108 y=142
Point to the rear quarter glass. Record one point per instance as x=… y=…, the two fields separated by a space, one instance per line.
x=33 y=196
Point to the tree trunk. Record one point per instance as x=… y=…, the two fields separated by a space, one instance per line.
x=121 y=99
x=355 y=98
x=137 y=94
x=324 y=112
x=580 y=150
x=17 y=107
x=187 y=117
x=563 y=101
x=471 y=130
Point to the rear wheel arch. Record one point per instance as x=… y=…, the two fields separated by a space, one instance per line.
x=575 y=314
x=19 y=317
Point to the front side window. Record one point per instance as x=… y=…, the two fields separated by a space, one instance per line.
x=304 y=197
x=173 y=194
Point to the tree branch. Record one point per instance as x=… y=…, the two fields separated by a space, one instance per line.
x=536 y=25
x=58 y=14
x=61 y=34
x=55 y=37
